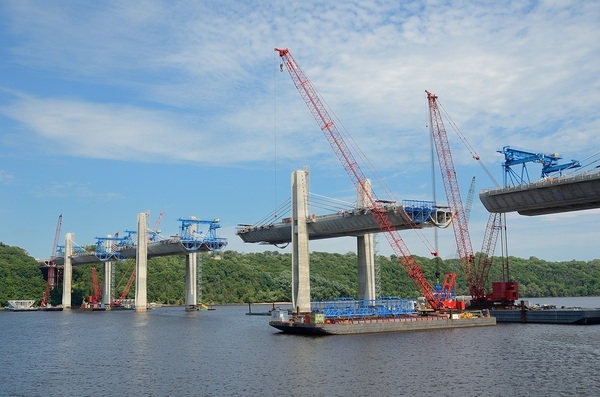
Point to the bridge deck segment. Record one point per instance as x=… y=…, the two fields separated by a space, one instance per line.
x=357 y=222
x=546 y=196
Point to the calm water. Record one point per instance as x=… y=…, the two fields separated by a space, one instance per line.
x=170 y=352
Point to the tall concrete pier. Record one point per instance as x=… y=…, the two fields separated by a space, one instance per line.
x=300 y=256
x=191 y=266
x=364 y=250
x=141 y=264
x=106 y=280
x=67 y=271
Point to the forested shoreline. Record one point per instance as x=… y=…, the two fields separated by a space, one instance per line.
x=233 y=277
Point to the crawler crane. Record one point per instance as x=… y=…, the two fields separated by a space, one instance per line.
x=52 y=271
x=504 y=292
x=437 y=301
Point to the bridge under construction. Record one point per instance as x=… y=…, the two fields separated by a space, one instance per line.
x=146 y=244
x=546 y=196
x=359 y=222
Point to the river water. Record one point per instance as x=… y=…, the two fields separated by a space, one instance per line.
x=171 y=352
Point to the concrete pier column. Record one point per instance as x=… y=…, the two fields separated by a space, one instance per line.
x=106 y=280
x=106 y=292
x=365 y=249
x=300 y=255
x=190 y=281
x=68 y=271
x=141 y=264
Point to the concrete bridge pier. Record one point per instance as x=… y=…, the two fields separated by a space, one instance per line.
x=364 y=249
x=106 y=292
x=67 y=271
x=300 y=255
x=191 y=266
x=141 y=265
x=106 y=285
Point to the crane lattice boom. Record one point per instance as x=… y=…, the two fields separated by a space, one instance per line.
x=460 y=224
x=352 y=168
x=96 y=294
x=487 y=255
x=51 y=267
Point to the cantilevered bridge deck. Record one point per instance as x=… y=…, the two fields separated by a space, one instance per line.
x=355 y=222
x=546 y=196
x=172 y=246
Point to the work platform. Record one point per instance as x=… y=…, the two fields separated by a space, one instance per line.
x=546 y=196
x=172 y=246
x=356 y=222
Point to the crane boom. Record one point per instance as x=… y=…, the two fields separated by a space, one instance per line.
x=460 y=224
x=51 y=267
x=486 y=257
x=352 y=168
x=96 y=294
x=128 y=286
x=470 y=195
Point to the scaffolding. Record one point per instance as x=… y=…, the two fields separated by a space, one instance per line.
x=352 y=308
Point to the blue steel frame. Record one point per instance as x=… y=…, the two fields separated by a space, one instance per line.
x=193 y=240
x=352 y=308
x=419 y=211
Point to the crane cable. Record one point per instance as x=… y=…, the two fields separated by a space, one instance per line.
x=465 y=142
x=577 y=171
x=378 y=178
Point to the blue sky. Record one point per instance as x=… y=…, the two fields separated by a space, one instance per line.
x=109 y=109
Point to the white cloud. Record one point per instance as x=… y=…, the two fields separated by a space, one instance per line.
x=199 y=82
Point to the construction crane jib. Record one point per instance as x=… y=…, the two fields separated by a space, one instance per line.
x=460 y=223
x=334 y=137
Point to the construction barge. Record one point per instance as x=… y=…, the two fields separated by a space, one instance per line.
x=348 y=316
x=547 y=314
x=377 y=325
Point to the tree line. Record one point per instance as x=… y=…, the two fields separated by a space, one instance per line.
x=232 y=277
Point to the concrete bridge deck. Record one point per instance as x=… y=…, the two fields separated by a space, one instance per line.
x=172 y=246
x=546 y=196
x=357 y=222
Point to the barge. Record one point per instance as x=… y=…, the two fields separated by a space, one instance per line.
x=316 y=324
x=24 y=305
x=547 y=314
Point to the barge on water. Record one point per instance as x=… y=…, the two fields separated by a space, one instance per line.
x=346 y=316
x=547 y=314
x=414 y=322
x=23 y=305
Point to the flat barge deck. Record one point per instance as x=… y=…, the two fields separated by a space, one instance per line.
x=378 y=325
x=575 y=316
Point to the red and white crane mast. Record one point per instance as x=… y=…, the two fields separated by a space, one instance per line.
x=460 y=223
x=52 y=273
x=335 y=139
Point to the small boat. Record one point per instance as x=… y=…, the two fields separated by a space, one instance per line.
x=92 y=306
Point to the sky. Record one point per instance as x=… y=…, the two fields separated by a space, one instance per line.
x=110 y=109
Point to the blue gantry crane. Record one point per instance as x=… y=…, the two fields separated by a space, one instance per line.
x=514 y=157
x=192 y=238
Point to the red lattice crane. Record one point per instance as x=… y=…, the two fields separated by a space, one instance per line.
x=334 y=137
x=51 y=266
x=96 y=293
x=119 y=302
x=476 y=274
x=460 y=224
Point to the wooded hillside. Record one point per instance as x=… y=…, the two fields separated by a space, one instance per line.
x=233 y=277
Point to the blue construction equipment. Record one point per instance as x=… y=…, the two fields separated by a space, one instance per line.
x=352 y=308
x=192 y=239
x=549 y=165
